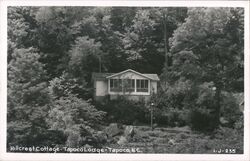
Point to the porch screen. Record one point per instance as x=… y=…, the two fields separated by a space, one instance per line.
x=115 y=85
x=129 y=85
x=142 y=85
x=122 y=85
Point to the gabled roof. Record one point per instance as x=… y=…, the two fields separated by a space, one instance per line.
x=100 y=76
x=152 y=76
x=103 y=76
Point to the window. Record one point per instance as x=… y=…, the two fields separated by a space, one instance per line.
x=115 y=85
x=122 y=85
x=129 y=85
x=142 y=85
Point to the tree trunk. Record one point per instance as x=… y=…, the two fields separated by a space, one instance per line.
x=217 y=106
x=165 y=40
x=168 y=58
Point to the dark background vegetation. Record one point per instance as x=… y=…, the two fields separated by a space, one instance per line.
x=52 y=51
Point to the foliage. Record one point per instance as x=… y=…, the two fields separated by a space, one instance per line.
x=144 y=39
x=172 y=117
x=173 y=103
x=205 y=54
x=230 y=109
x=52 y=52
x=124 y=111
x=84 y=57
x=56 y=35
x=210 y=49
x=27 y=98
x=65 y=85
x=21 y=28
x=62 y=87
x=239 y=124
x=76 y=118
x=185 y=104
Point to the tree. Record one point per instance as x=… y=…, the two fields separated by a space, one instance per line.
x=21 y=28
x=146 y=40
x=206 y=51
x=103 y=26
x=84 y=57
x=28 y=99
x=57 y=30
x=77 y=119
x=139 y=43
x=122 y=17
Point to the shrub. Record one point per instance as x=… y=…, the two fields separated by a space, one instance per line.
x=239 y=124
x=185 y=102
x=171 y=117
x=201 y=119
x=230 y=109
x=170 y=104
x=65 y=85
x=201 y=103
x=124 y=111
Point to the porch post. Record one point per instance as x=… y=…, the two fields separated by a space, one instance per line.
x=149 y=87
x=108 y=86
x=135 y=86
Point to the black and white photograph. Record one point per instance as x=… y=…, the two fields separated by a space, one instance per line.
x=125 y=79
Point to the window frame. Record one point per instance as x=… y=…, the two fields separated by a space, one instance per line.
x=131 y=85
x=142 y=85
x=114 y=85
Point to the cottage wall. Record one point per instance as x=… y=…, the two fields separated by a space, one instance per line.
x=101 y=88
x=153 y=86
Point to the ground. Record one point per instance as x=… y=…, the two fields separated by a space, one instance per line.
x=183 y=140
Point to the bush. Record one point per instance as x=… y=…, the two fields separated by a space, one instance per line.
x=170 y=104
x=201 y=120
x=171 y=117
x=201 y=103
x=122 y=110
x=65 y=85
x=230 y=109
x=239 y=124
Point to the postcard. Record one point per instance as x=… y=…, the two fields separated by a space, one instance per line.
x=125 y=80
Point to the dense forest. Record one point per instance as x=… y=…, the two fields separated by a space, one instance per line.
x=53 y=51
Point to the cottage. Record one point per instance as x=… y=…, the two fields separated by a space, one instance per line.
x=129 y=83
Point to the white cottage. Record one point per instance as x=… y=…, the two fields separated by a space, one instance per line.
x=129 y=83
